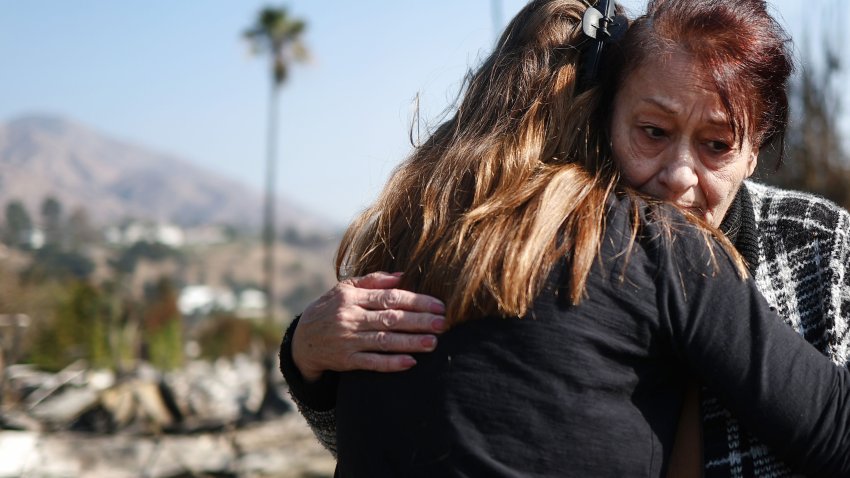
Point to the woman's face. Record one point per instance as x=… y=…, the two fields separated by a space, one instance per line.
x=671 y=138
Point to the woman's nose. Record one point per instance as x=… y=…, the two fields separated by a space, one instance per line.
x=679 y=172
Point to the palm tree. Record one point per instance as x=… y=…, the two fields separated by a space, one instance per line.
x=277 y=34
x=496 y=15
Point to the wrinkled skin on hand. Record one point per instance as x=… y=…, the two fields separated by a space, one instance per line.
x=364 y=323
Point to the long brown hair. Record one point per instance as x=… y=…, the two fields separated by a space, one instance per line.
x=514 y=181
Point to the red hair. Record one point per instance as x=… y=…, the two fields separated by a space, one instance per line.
x=740 y=46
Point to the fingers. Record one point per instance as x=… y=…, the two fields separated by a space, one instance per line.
x=365 y=323
x=393 y=342
x=381 y=299
x=375 y=280
x=401 y=321
x=381 y=362
x=375 y=292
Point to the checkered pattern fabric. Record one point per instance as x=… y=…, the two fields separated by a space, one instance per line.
x=804 y=273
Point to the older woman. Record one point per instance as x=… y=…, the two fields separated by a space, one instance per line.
x=673 y=137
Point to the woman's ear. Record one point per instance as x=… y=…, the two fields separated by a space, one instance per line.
x=752 y=162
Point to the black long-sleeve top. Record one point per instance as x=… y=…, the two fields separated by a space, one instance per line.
x=596 y=389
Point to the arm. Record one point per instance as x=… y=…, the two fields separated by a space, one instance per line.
x=360 y=324
x=314 y=399
x=790 y=395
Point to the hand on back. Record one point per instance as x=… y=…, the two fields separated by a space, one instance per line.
x=364 y=323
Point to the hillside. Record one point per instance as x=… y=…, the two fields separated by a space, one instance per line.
x=114 y=180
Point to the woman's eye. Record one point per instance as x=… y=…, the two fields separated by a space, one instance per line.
x=718 y=146
x=654 y=132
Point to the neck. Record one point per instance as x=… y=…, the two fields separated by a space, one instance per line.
x=739 y=225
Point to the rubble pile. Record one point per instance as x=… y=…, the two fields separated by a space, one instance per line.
x=222 y=418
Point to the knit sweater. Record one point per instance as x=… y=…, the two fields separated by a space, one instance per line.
x=798 y=246
x=800 y=257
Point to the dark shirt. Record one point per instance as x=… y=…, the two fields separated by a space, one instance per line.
x=596 y=389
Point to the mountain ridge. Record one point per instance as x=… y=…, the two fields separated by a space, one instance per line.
x=46 y=155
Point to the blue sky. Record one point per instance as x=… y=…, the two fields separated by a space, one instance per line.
x=177 y=78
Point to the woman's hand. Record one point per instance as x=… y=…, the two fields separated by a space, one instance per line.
x=365 y=324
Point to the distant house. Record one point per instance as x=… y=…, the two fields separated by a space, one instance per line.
x=165 y=233
x=33 y=238
x=143 y=231
x=195 y=300
x=251 y=304
x=201 y=300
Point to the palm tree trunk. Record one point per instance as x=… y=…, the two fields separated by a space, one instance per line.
x=496 y=16
x=269 y=230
